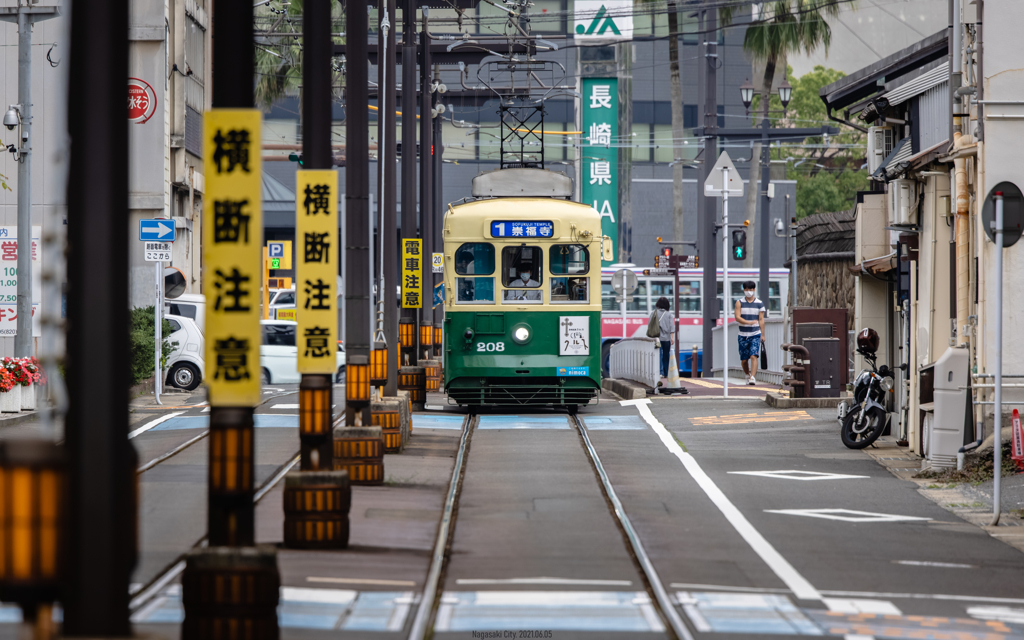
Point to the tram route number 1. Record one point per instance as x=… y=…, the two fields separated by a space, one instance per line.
x=490 y=346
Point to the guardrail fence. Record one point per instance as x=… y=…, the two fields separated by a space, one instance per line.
x=635 y=359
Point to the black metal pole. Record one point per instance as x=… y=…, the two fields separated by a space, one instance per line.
x=435 y=231
x=390 y=226
x=426 y=316
x=231 y=518
x=101 y=524
x=316 y=154
x=765 y=220
x=357 y=210
x=409 y=191
x=707 y=208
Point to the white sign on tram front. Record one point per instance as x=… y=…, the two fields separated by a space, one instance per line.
x=574 y=336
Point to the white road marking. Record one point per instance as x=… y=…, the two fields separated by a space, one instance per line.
x=383 y=583
x=325 y=596
x=149 y=425
x=1001 y=614
x=944 y=565
x=547 y=581
x=794 y=474
x=285 y=406
x=859 y=605
x=205 y=410
x=856 y=594
x=846 y=515
x=791 y=577
x=433 y=407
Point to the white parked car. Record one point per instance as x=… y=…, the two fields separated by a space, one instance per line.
x=185 y=364
x=279 y=354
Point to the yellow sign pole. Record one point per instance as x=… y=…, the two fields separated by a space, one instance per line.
x=232 y=237
x=316 y=306
x=265 y=270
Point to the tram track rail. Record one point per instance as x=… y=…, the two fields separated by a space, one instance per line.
x=148 y=593
x=423 y=621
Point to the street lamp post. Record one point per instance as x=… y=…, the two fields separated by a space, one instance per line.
x=747 y=94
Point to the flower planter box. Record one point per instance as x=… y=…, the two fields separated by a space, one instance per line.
x=10 y=401
x=28 y=398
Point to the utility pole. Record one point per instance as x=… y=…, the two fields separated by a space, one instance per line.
x=23 y=339
x=426 y=316
x=25 y=16
x=409 y=191
x=357 y=223
x=435 y=231
x=389 y=229
x=101 y=528
x=707 y=208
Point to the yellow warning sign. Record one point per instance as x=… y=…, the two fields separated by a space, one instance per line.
x=316 y=230
x=232 y=247
x=412 y=273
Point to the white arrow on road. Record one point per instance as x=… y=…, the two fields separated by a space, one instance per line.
x=163 y=230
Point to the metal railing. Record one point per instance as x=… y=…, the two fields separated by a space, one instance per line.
x=775 y=335
x=635 y=359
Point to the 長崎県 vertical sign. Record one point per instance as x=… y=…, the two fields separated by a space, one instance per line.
x=412 y=273
x=599 y=177
x=316 y=226
x=232 y=247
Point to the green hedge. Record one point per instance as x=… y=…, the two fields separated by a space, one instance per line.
x=142 y=339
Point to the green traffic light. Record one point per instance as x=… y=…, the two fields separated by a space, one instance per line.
x=295 y=157
x=739 y=253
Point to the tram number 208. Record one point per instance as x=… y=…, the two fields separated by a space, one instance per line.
x=490 y=346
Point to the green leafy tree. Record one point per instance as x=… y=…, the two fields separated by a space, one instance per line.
x=278 y=33
x=782 y=27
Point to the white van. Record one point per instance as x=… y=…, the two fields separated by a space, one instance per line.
x=188 y=305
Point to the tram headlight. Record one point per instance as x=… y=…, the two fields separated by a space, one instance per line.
x=521 y=334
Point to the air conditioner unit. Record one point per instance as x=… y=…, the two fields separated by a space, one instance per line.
x=901 y=202
x=880 y=142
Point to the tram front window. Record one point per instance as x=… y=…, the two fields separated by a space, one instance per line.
x=474 y=259
x=569 y=260
x=521 y=273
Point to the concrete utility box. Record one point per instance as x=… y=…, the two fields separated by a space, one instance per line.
x=948 y=421
x=824 y=375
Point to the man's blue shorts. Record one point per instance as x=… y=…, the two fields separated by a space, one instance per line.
x=750 y=346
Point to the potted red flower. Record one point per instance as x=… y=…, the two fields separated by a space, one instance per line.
x=33 y=373
x=10 y=390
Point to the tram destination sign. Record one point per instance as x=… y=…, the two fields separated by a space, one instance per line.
x=522 y=229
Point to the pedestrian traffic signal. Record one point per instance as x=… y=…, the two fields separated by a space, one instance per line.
x=739 y=244
x=666 y=251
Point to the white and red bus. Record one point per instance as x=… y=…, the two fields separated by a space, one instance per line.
x=652 y=287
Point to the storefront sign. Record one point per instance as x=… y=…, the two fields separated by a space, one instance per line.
x=600 y=172
x=141 y=101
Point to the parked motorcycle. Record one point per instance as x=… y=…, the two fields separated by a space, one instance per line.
x=864 y=420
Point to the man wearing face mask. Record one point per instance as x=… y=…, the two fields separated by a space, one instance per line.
x=749 y=314
x=523 y=281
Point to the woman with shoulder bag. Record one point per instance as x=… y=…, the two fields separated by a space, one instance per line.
x=666 y=333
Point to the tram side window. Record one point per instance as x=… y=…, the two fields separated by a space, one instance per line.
x=569 y=260
x=474 y=259
x=521 y=272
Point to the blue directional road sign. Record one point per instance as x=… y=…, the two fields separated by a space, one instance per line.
x=162 y=230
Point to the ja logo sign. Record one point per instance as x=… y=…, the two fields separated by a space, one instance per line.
x=604 y=19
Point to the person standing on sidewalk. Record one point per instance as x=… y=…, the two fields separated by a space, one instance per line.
x=749 y=314
x=667 y=336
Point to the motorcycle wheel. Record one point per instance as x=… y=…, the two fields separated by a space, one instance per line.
x=873 y=429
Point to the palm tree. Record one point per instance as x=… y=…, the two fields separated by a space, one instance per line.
x=783 y=27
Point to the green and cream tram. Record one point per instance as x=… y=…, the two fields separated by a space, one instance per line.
x=522 y=322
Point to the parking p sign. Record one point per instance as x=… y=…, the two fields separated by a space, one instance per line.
x=280 y=254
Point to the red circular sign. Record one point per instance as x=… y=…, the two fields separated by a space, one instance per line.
x=141 y=101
